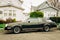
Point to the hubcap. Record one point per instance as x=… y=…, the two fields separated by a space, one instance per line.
x=46 y=28
x=16 y=30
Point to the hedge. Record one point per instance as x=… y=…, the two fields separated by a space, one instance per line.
x=2 y=25
x=36 y=14
x=55 y=19
x=9 y=20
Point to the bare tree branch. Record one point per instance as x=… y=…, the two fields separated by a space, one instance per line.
x=55 y=3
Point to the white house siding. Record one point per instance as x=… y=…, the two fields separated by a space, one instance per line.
x=43 y=5
x=12 y=2
x=49 y=12
x=6 y=10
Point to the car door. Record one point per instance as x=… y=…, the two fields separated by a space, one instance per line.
x=31 y=23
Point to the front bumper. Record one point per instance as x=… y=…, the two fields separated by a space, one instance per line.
x=8 y=28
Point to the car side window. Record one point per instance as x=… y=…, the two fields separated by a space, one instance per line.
x=33 y=20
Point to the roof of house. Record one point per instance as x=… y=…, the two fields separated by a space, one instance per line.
x=16 y=4
x=45 y=5
x=12 y=6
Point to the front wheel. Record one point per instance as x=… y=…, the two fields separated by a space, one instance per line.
x=46 y=28
x=16 y=30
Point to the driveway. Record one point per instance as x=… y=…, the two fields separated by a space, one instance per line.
x=35 y=35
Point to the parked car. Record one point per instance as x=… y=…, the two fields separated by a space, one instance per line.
x=31 y=23
x=58 y=26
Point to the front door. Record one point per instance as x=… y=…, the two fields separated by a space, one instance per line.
x=33 y=23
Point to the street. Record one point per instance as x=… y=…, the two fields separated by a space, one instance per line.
x=33 y=35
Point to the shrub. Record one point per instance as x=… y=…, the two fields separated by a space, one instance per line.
x=8 y=20
x=36 y=14
x=2 y=25
x=58 y=26
x=14 y=20
x=2 y=21
x=55 y=19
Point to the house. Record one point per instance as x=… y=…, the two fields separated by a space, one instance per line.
x=47 y=9
x=10 y=10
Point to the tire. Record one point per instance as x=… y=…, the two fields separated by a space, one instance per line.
x=46 y=28
x=16 y=30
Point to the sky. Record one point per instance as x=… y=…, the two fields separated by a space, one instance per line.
x=27 y=4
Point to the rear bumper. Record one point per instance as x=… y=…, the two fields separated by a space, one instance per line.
x=53 y=26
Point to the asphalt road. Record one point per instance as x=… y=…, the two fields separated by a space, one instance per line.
x=33 y=35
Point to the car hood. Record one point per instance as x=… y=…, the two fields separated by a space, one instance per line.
x=49 y=21
x=12 y=24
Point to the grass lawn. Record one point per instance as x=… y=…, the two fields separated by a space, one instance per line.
x=2 y=25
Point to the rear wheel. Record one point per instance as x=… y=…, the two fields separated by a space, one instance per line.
x=46 y=28
x=16 y=30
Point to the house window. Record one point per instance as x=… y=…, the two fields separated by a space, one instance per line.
x=10 y=10
x=13 y=10
x=5 y=14
x=10 y=14
x=14 y=14
x=0 y=12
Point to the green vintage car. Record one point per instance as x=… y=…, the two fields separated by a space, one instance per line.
x=31 y=23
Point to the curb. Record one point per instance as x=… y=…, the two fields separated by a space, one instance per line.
x=1 y=28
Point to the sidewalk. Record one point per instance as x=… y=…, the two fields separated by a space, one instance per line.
x=1 y=28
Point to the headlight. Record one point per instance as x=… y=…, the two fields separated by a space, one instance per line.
x=6 y=25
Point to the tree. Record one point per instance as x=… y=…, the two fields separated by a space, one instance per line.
x=36 y=14
x=54 y=3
